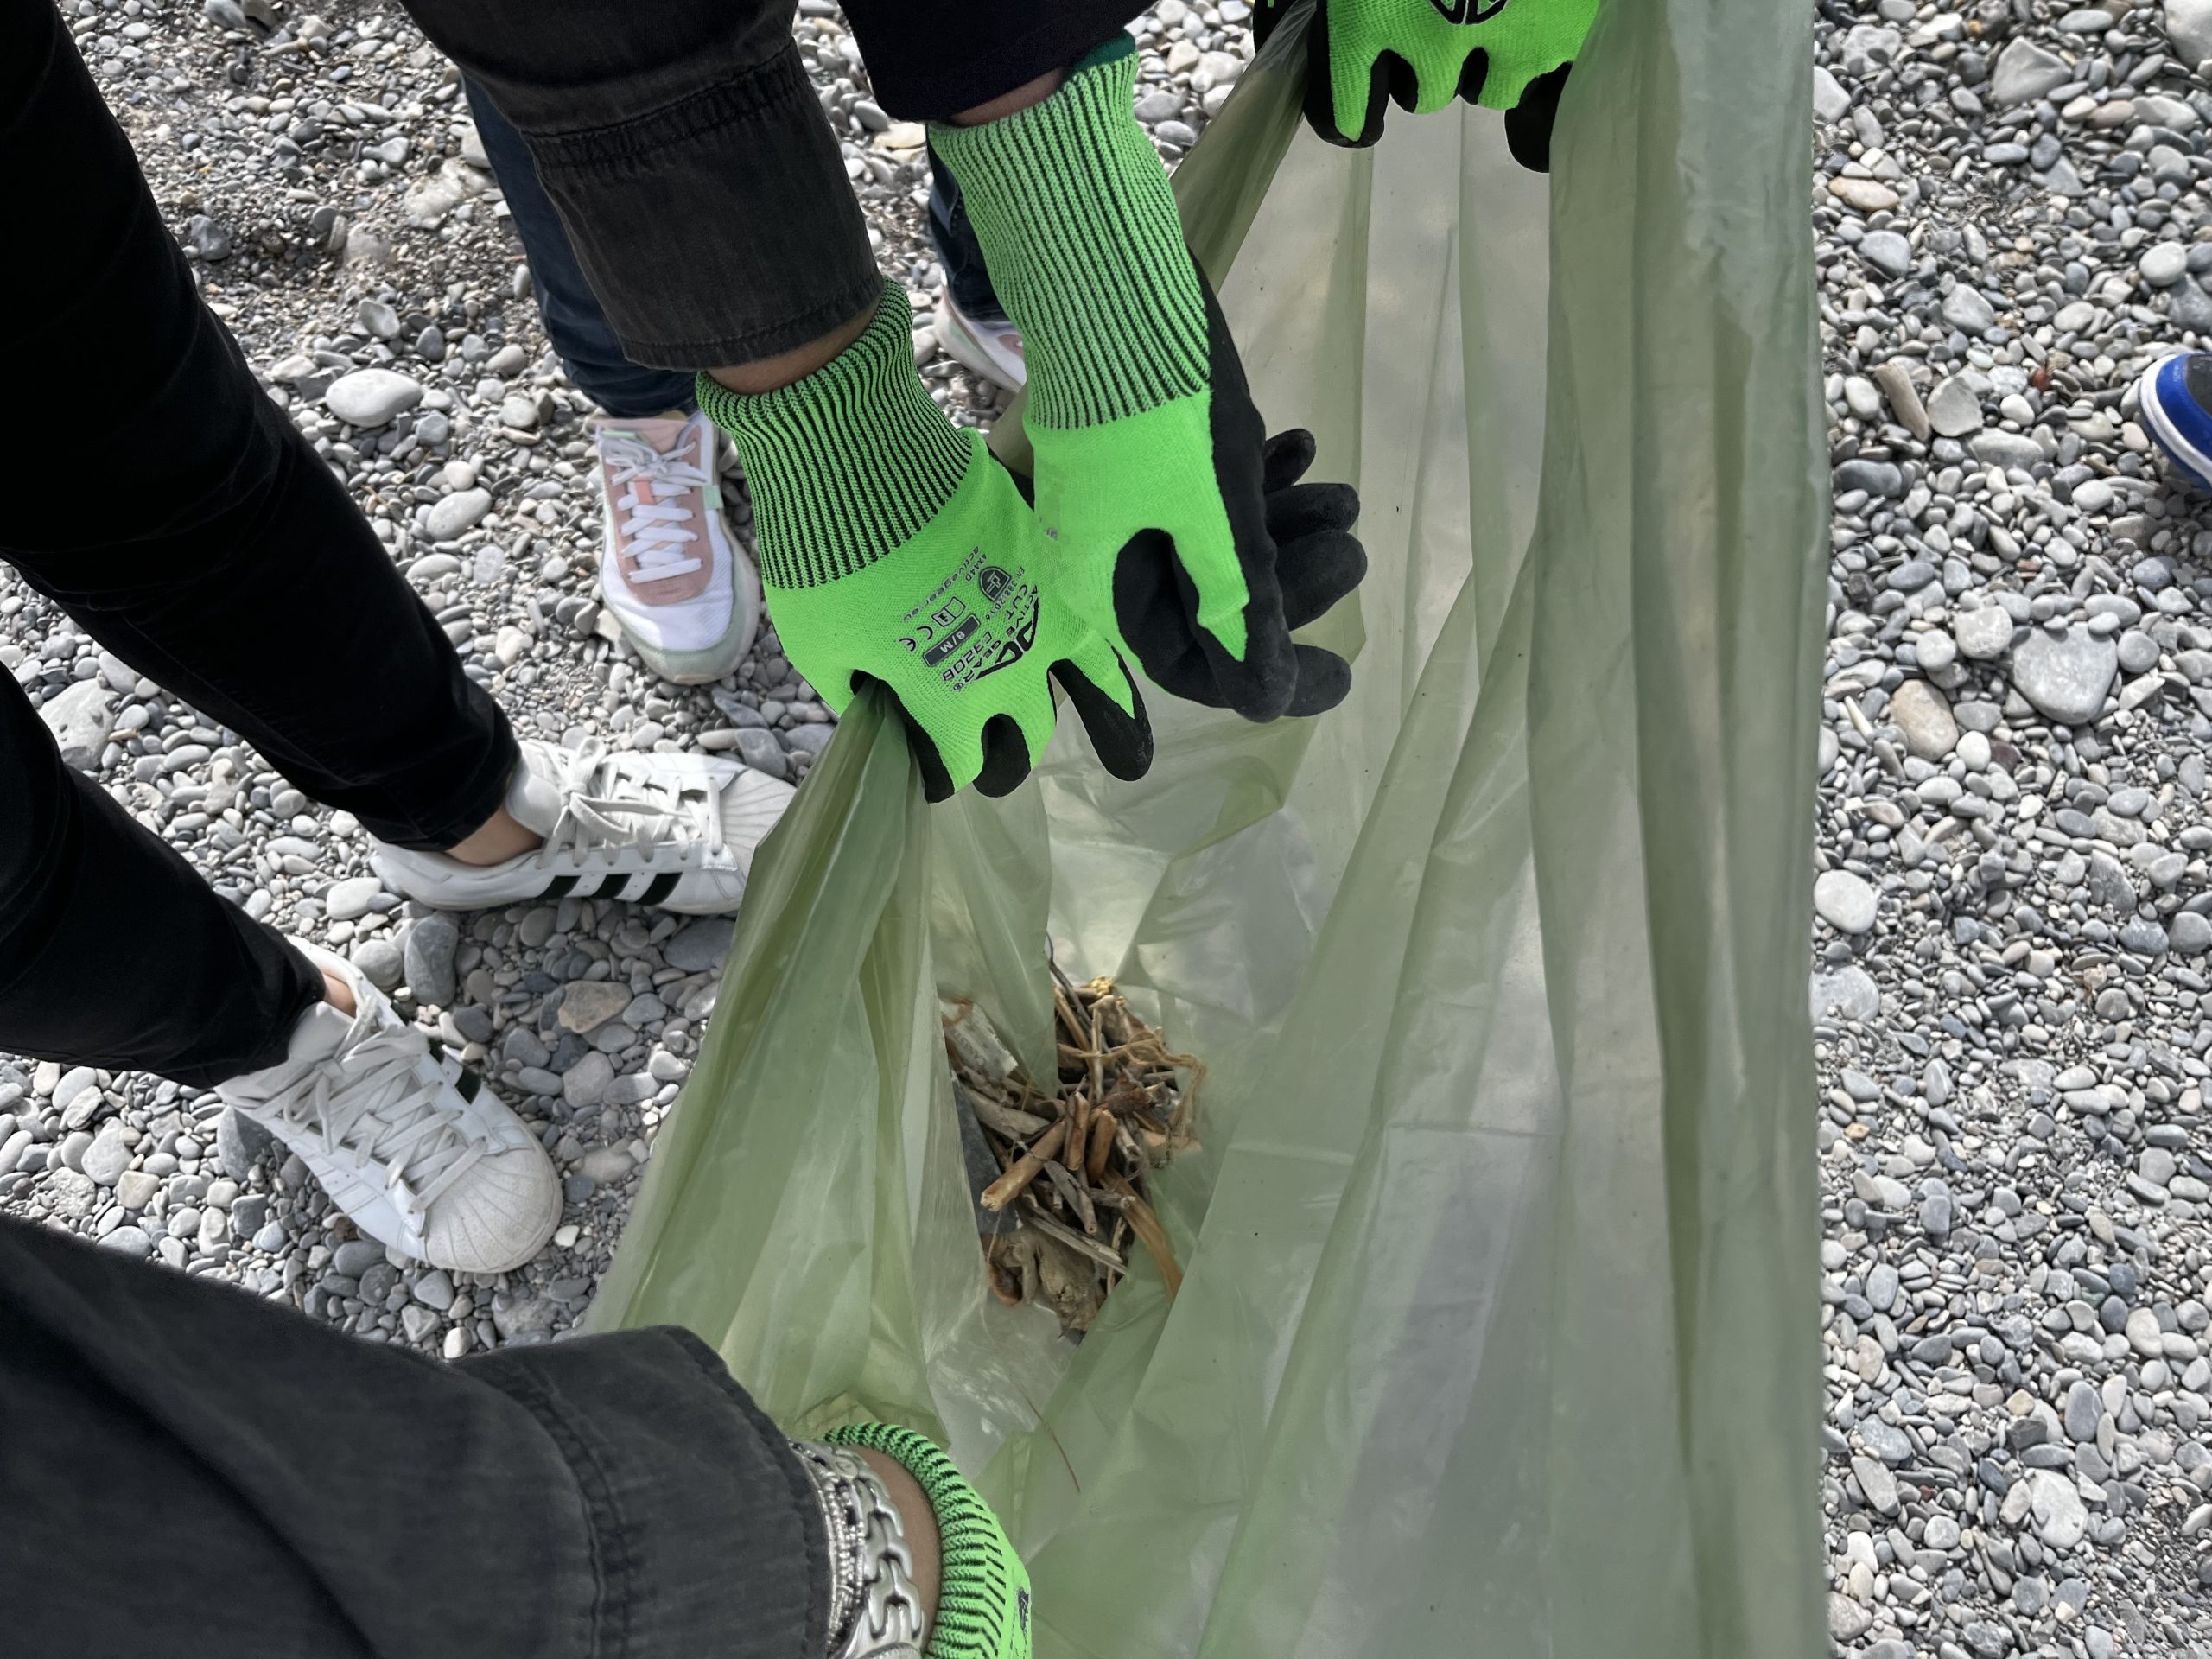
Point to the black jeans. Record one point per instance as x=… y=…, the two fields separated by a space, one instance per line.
x=690 y=158
x=576 y=323
x=190 y=1470
x=208 y=547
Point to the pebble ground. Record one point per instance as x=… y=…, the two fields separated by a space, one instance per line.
x=2009 y=970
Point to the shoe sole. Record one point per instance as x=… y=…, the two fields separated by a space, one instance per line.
x=2185 y=457
x=954 y=335
x=404 y=883
x=691 y=667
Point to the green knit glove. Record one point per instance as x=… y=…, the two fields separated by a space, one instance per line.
x=982 y=1601
x=1505 y=54
x=894 y=548
x=1172 y=536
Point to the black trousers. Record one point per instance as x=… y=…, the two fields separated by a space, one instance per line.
x=190 y=1470
x=194 y=533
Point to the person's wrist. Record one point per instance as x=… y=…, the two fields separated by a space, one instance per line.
x=884 y=1551
x=984 y=1586
x=1021 y=98
x=924 y=1546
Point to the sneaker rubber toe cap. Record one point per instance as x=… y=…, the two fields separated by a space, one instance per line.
x=500 y=1217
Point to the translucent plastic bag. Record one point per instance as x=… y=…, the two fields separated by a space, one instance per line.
x=1496 y=1333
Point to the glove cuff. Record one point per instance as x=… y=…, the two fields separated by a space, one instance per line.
x=982 y=1603
x=848 y=463
x=1071 y=205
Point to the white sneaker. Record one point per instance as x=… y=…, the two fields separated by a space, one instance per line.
x=686 y=594
x=991 y=348
x=420 y=1156
x=676 y=830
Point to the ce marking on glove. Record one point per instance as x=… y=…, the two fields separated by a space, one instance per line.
x=1468 y=11
x=966 y=641
x=943 y=631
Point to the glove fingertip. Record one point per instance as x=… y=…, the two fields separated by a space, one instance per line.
x=1263 y=686
x=1006 y=757
x=1307 y=510
x=1284 y=459
x=1472 y=74
x=938 y=786
x=1324 y=680
x=1320 y=91
x=1403 y=80
x=1529 y=123
x=1317 y=572
x=1121 y=738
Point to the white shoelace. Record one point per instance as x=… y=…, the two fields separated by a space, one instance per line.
x=613 y=801
x=653 y=530
x=370 y=1098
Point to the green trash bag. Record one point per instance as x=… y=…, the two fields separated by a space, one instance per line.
x=1497 y=1327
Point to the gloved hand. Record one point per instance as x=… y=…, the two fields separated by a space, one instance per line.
x=894 y=548
x=1151 y=482
x=982 y=1603
x=1512 y=55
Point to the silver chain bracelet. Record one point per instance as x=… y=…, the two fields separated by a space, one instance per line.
x=874 y=1613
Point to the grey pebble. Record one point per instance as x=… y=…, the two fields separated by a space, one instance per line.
x=1887 y=251
x=759 y=749
x=348 y=900
x=604 y=1165
x=1844 y=901
x=1878 y=478
x=1847 y=994
x=2084 y=1410
x=239 y=1141
x=1953 y=408
x=584 y=1085
x=80 y=717
x=355 y=1257
x=2007 y=449
x=2065 y=677
x=2025 y=71
x=371 y=398
x=128 y=1240
x=107 y=1157
x=699 y=945
x=2144 y=936
x=379 y=963
x=1892 y=1444
x=431 y=942
x=455 y=513
x=1967 y=309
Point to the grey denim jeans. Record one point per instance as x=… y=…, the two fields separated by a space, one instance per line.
x=689 y=157
x=190 y=1470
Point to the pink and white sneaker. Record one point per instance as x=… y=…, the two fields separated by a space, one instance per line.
x=687 y=597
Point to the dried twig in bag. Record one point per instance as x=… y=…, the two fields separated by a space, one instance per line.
x=1074 y=1152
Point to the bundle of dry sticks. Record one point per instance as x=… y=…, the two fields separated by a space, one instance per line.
x=1069 y=1198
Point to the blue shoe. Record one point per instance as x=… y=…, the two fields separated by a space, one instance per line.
x=2177 y=407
